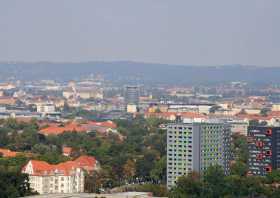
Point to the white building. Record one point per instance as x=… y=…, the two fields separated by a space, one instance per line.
x=67 y=177
x=45 y=108
x=131 y=108
x=45 y=178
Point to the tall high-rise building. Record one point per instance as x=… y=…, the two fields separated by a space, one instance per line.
x=264 y=149
x=132 y=94
x=194 y=146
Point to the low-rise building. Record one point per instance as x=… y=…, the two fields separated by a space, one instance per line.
x=131 y=108
x=239 y=127
x=100 y=127
x=275 y=107
x=67 y=151
x=5 y=100
x=45 y=108
x=66 y=177
x=8 y=153
x=7 y=86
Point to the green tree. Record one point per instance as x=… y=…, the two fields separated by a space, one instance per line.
x=253 y=186
x=129 y=169
x=265 y=111
x=189 y=186
x=158 y=173
x=214 y=180
x=239 y=168
x=234 y=186
x=273 y=177
x=13 y=184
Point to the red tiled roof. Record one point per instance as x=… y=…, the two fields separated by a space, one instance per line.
x=107 y=124
x=43 y=168
x=67 y=150
x=7 y=100
x=253 y=117
x=40 y=166
x=24 y=119
x=8 y=153
x=56 y=129
x=274 y=113
x=87 y=162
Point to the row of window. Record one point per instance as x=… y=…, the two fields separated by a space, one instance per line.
x=178 y=159
x=181 y=128
x=179 y=150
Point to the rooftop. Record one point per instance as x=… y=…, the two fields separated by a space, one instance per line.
x=87 y=163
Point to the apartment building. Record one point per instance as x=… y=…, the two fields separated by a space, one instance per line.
x=264 y=149
x=238 y=127
x=132 y=94
x=67 y=177
x=194 y=146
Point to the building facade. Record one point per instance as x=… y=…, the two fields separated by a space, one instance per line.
x=239 y=127
x=264 y=149
x=132 y=94
x=195 y=146
x=67 y=177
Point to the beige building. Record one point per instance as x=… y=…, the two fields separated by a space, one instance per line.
x=67 y=177
x=45 y=178
x=7 y=86
x=84 y=93
x=275 y=107
x=45 y=108
x=239 y=127
x=131 y=108
x=252 y=111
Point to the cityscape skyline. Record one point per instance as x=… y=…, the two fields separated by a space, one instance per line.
x=139 y=98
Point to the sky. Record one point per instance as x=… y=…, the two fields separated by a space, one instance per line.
x=186 y=32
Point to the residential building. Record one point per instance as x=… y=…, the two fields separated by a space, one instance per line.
x=5 y=100
x=102 y=128
x=131 y=108
x=239 y=127
x=45 y=108
x=194 y=146
x=8 y=153
x=7 y=86
x=132 y=94
x=67 y=177
x=67 y=151
x=264 y=149
x=3 y=109
x=275 y=107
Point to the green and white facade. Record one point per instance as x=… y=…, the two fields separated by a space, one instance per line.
x=194 y=146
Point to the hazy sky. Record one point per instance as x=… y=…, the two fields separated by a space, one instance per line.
x=200 y=32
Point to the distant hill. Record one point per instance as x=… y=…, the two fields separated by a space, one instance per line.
x=125 y=72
